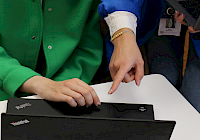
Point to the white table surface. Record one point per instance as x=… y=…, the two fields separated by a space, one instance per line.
x=155 y=89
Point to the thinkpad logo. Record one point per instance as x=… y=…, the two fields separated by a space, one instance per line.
x=22 y=106
x=20 y=122
x=142 y=109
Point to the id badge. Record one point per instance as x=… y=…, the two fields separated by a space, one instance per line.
x=169 y=26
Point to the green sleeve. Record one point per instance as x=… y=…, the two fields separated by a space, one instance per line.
x=12 y=74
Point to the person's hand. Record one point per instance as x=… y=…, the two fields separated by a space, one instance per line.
x=73 y=91
x=180 y=18
x=126 y=63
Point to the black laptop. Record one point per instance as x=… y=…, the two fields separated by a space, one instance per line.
x=191 y=10
x=24 y=127
x=106 y=110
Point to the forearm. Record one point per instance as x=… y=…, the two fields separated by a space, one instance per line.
x=33 y=85
x=126 y=63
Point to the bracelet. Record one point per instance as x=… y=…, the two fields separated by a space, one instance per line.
x=119 y=34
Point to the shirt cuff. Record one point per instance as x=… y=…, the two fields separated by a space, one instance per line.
x=121 y=19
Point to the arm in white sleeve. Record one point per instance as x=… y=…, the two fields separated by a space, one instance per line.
x=121 y=19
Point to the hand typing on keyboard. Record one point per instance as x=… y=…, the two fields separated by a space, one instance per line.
x=180 y=18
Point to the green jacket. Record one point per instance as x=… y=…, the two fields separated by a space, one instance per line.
x=68 y=30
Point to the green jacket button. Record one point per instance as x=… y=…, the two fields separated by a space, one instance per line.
x=49 y=47
x=33 y=37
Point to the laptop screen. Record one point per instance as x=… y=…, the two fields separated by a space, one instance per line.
x=23 y=127
x=191 y=10
x=192 y=7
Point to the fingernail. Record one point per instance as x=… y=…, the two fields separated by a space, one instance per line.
x=176 y=11
x=110 y=92
x=88 y=106
x=98 y=104
x=138 y=84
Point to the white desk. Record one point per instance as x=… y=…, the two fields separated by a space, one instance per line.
x=168 y=103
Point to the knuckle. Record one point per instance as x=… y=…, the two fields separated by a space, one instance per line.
x=69 y=99
x=114 y=65
x=91 y=89
x=85 y=92
x=110 y=66
x=63 y=88
x=79 y=97
x=67 y=83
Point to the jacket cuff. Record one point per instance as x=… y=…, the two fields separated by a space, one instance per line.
x=16 y=78
x=121 y=19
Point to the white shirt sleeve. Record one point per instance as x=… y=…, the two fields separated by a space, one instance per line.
x=121 y=19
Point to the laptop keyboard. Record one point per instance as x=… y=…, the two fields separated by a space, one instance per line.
x=192 y=7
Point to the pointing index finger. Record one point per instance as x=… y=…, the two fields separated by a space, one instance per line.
x=117 y=80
